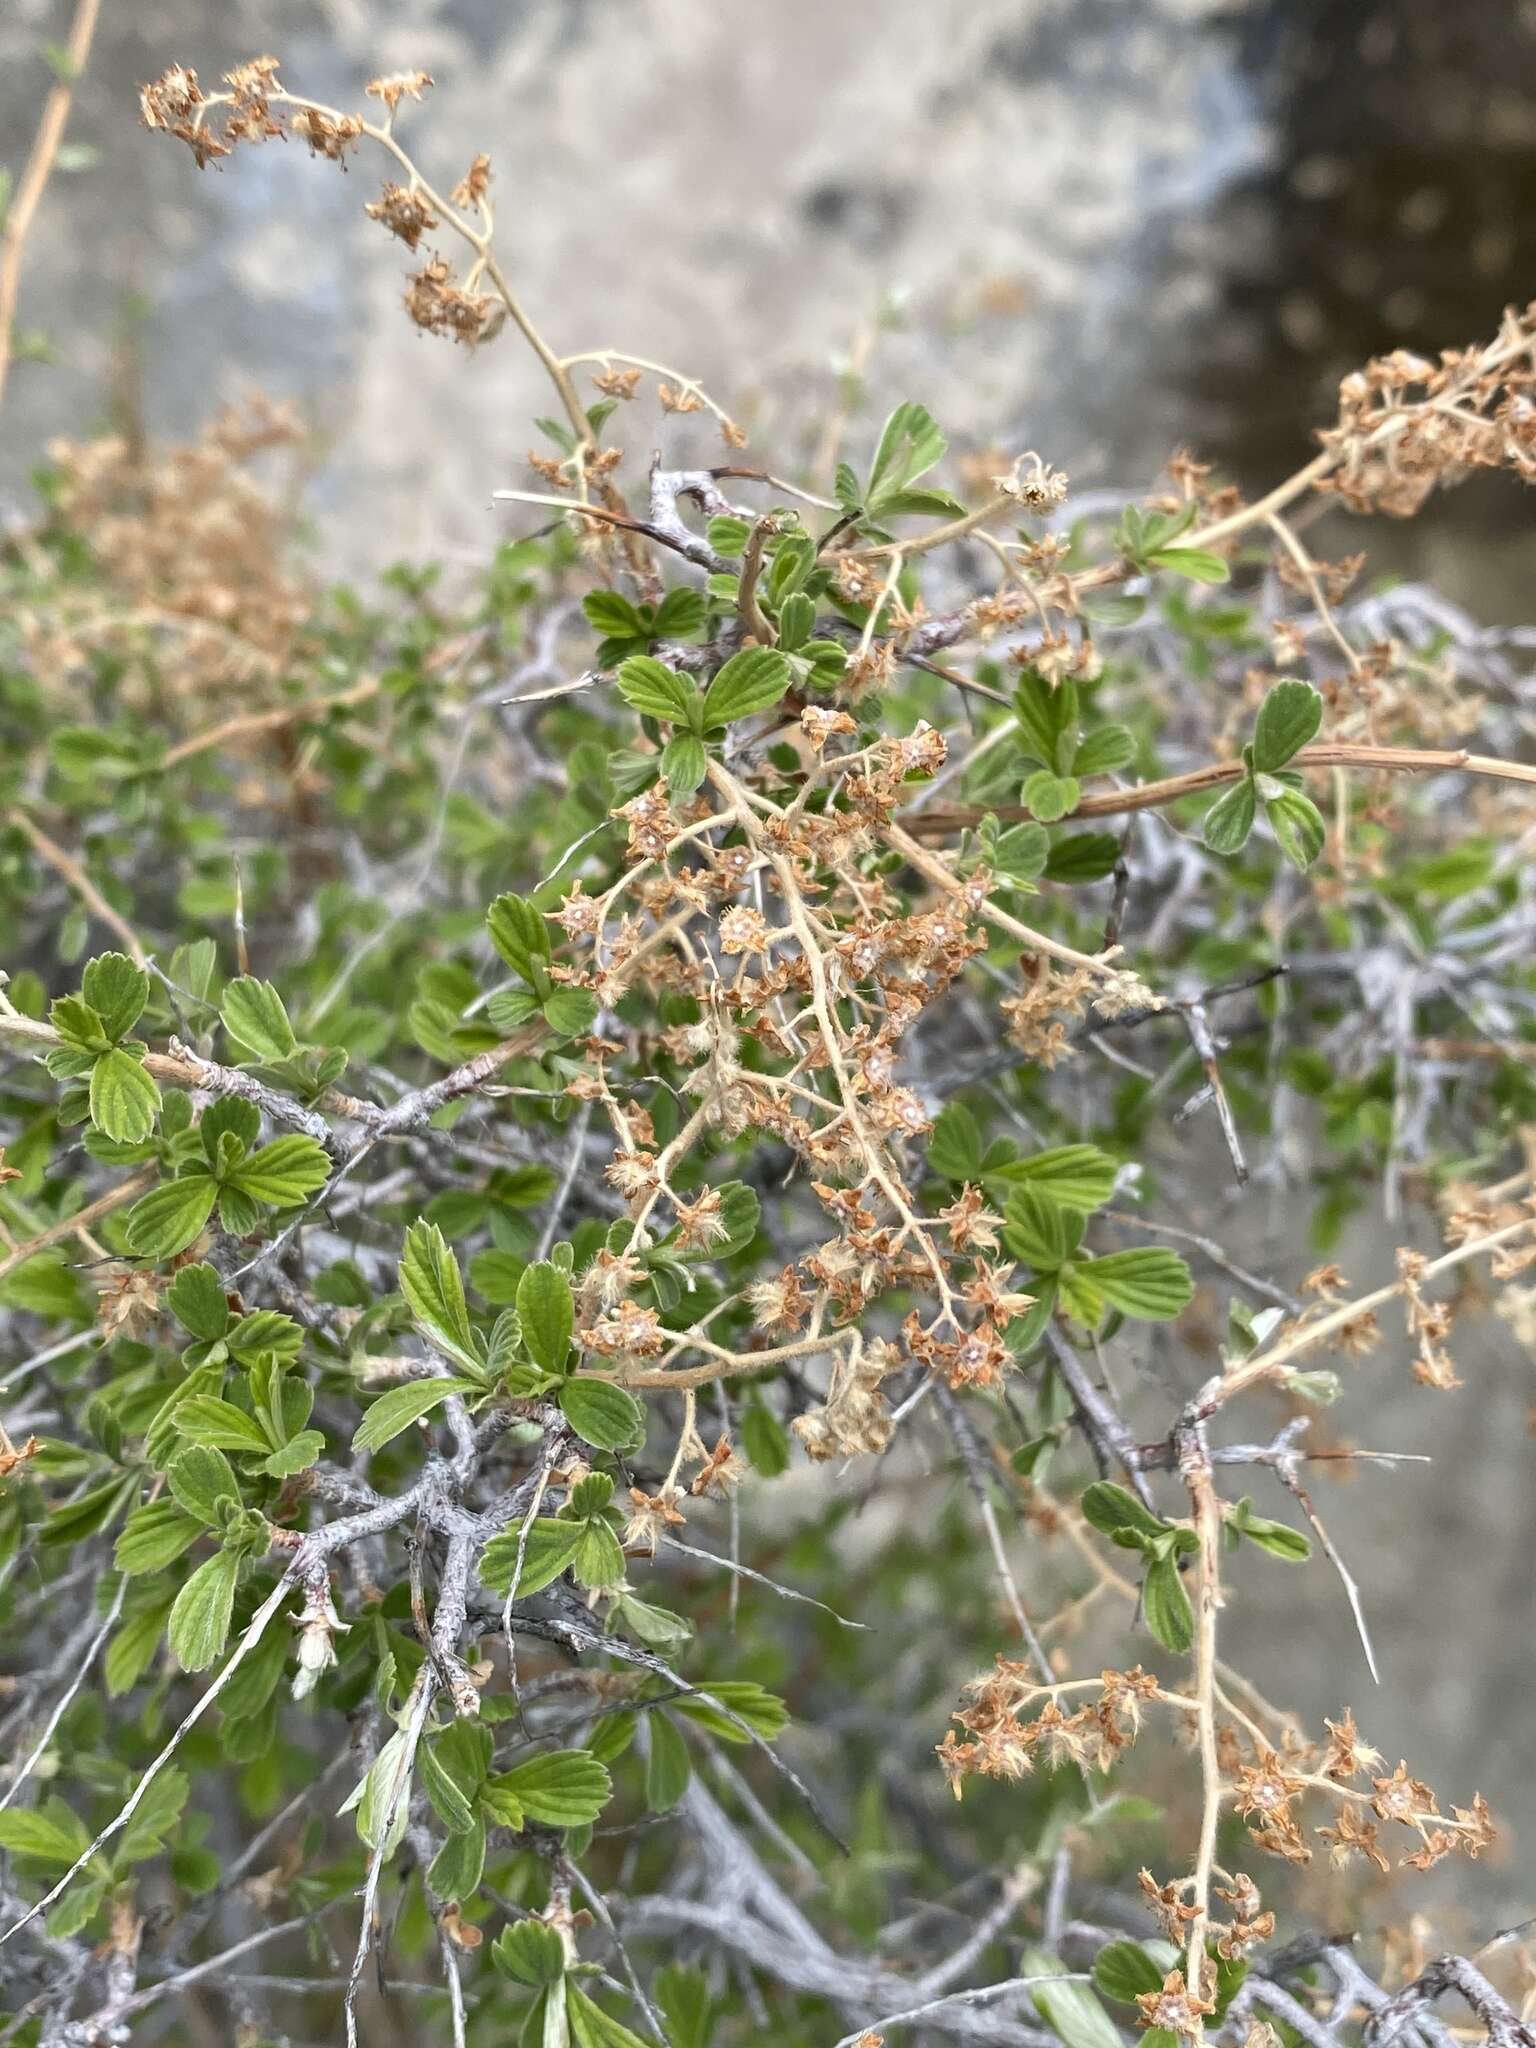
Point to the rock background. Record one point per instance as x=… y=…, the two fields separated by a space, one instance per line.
x=1110 y=224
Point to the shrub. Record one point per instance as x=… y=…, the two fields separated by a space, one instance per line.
x=583 y=1158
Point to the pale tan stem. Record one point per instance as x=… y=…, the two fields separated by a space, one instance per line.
x=69 y=1226
x=34 y=179
x=944 y=820
x=1035 y=942
x=74 y=874
x=256 y=722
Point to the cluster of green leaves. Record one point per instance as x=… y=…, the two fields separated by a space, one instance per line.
x=218 y=1163
x=911 y=444
x=50 y=1838
x=753 y=680
x=1288 y=718
x=120 y=1097
x=1123 y=1971
x=521 y=937
x=1047 y=1198
x=1050 y=732
x=1165 y=1605
x=1149 y=541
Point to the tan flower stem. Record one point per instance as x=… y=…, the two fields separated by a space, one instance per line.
x=56 y=1233
x=688 y=385
x=726 y=1364
x=946 y=820
x=1264 y=1365
x=938 y=873
x=821 y=999
x=1195 y=1469
x=478 y=238
x=39 y=167
x=74 y=874
x=254 y=723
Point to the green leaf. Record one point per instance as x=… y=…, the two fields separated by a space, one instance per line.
x=207 y=1420
x=546 y=1311
x=954 y=1147
x=1039 y=1229
x=1298 y=825
x=199 y=1625
x=656 y=691
x=1111 y=748
x=753 y=680
x=456 y=1869
x=569 y=1012
x=131 y=1651
x=530 y=1952
x=1082 y=857
x=1147 y=1282
x=603 y=1414
x=154 y=1817
x=1198 y=564
x=1019 y=854
x=265 y=1332
x=1071 y=2011
x=682 y=1992
x=78 y=1025
x=231 y=1117
x=599 y=1562
x=763 y=1712
x=45 y=1834
x=124 y=1098
x=1288 y=718
x=910 y=444
x=1047 y=716
x=1278 y=1538
x=591 y=2027
x=1077 y=1176
x=117 y=991
x=401 y=1406
x=88 y=1512
x=297 y=1455
x=612 y=614
x=434 y=1292
x=383 y=1800
x=551 y=1549
x=564 y=1788
x=765 y=1440
x=254 y=1016
x=197 y=1300
x=1051 y=796
x=154 y=1536
x=893 y=504
x=1230 y=819
x=1165 y=1605
x=287 y=1171
x=1108 y=609
x=684 y=763
x=681 y=615
x=657 y=1626
x=200 y=1477
x=519 y=934
x=1123 y=1970
x=451 y=1801
x=1110 y=1508
x=668 y=1768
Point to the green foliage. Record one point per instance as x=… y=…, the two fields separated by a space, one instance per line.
x=587 y=1239
x=1288 y=718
